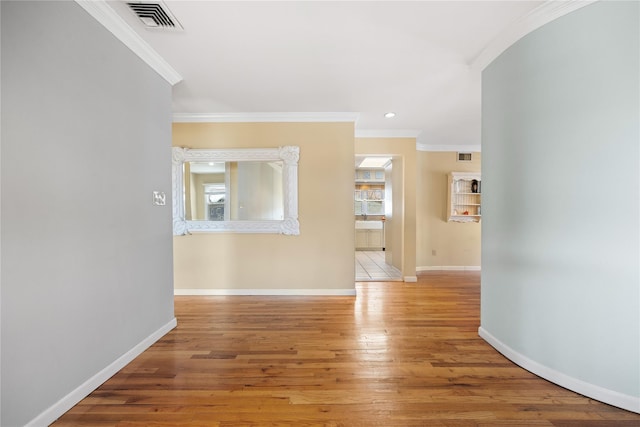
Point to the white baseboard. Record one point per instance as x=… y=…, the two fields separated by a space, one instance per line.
x=63 y=405
x=611 y=397
x=449 y=268
x=410 y=278
x=267 y=292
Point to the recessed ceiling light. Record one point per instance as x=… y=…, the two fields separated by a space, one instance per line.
x=390 y=114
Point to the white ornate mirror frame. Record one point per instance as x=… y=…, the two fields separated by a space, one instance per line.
x=289 y=156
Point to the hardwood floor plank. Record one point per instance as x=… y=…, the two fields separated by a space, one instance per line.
x=398 y=354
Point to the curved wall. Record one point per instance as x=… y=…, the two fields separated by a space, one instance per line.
x=560 y=233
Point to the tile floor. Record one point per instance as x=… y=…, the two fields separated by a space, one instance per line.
x=370 y=267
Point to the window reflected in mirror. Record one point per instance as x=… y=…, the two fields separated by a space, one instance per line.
x=234 y=191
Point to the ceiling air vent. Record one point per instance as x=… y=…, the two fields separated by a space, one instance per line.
x=155 y=14
x=464 y=157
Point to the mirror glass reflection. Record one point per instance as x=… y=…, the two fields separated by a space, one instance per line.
x=234 y=191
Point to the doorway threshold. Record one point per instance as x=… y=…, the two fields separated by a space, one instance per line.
x=371 y=267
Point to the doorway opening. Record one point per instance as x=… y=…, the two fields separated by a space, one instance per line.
x=373 y=210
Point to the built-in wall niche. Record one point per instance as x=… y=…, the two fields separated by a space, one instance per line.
x=464 y=197
x=235 y=190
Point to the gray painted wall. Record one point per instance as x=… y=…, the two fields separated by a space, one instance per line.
x=560 y=234
x=86 y=258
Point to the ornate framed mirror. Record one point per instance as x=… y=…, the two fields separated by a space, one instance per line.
x=253 y=190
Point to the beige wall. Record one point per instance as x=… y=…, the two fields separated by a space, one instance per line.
x=455 y=244
x=403 y=223
x=321 y=257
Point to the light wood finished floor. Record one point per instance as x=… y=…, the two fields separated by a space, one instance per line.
x=398 y=354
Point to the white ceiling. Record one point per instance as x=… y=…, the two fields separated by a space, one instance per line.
x=413 y=58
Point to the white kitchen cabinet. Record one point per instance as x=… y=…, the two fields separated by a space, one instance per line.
x=374 y=239
x=368 y=239
x=362 y=239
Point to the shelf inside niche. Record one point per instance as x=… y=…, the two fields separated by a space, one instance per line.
x=461 y=198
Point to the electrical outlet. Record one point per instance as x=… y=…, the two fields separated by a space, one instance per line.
x=159 y=198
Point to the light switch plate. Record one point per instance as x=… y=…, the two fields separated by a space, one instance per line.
x=159 y=198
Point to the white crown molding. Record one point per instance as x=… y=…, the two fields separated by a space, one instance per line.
x=630 y=403
x=387 y=133
x=535 y=19
x=263 y=117
x=267 y=292
x=457 y=148
x=70 y=400
x=105 y=15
